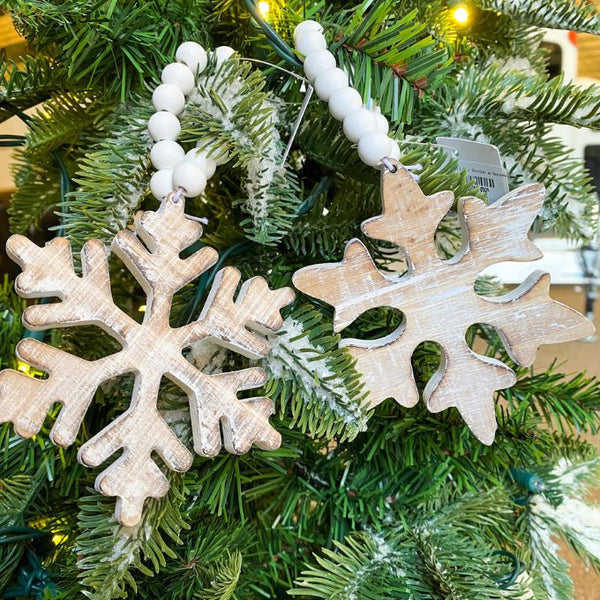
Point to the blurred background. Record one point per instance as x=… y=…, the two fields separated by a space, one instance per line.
x=575 y=270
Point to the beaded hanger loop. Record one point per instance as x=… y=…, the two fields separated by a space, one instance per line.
x=366 y=128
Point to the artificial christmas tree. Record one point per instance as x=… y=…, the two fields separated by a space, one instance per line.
x=376 y=503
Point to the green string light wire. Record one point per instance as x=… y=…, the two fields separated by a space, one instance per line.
x=207 y=278
x=10 y=535
x=279 y=45
x=64 y=174
x=10 y=141
x=517 y=568
x=532 y=483
x=64 y=189
x=32 y=579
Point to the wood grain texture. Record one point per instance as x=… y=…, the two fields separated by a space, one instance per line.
x=150 y=350
x=438 y=300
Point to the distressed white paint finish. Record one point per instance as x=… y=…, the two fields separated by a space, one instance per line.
x=438 y=300
x=150 y=350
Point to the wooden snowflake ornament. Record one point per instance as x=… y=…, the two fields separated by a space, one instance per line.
x=438 y=299
x=150 y=350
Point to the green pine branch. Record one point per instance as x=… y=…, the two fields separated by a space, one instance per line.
x=30 y=81
x=224 y=578
x=26 y=470
x=59 y=130
x=570 y=203
x=547 y=564
x=313 y=381
x=390 y=56
x=112 y=557
x=115 y=47
x=223 y=486
x=434 y=555
x=62 y=120
x=494 y=36
x=207 y=564
x=559 y=512
x=577 y=15
x=15 y=494
x=112 y=178
x=570 y=404
x=524 y=97
x=38 y=191
x=362 y=567
x=323 y=232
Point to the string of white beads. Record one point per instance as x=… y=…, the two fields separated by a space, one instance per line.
x=174 y=167
x=364 y=127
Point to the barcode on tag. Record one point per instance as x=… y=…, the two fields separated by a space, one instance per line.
x=491 y=179
x=485 y=183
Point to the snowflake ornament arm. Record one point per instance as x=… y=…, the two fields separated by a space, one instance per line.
x=150 y=350
x=438 y=299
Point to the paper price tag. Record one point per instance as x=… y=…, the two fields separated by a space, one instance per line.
x=482 y=163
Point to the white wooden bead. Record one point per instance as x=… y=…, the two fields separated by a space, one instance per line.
x=161 y=183
x=222 y=53
x=190 y=177
x=200 y=158
x=310 y=41
x=382 y=123
x=219 y=155
x=193 y=55
x=358 y=122
x=317 y=62
x=374 y=146
x=168 y=97
x=164 y=125
x=307 y=25
x=180 y=75
x=395 y=151
x=344 y=101
x=329 y=81
x=166 y=154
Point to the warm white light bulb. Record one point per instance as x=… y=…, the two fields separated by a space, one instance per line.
x=263 y=9
x=461 y=15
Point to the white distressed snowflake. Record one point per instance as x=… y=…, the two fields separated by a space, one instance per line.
x=438 y=299
x=150 y=350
